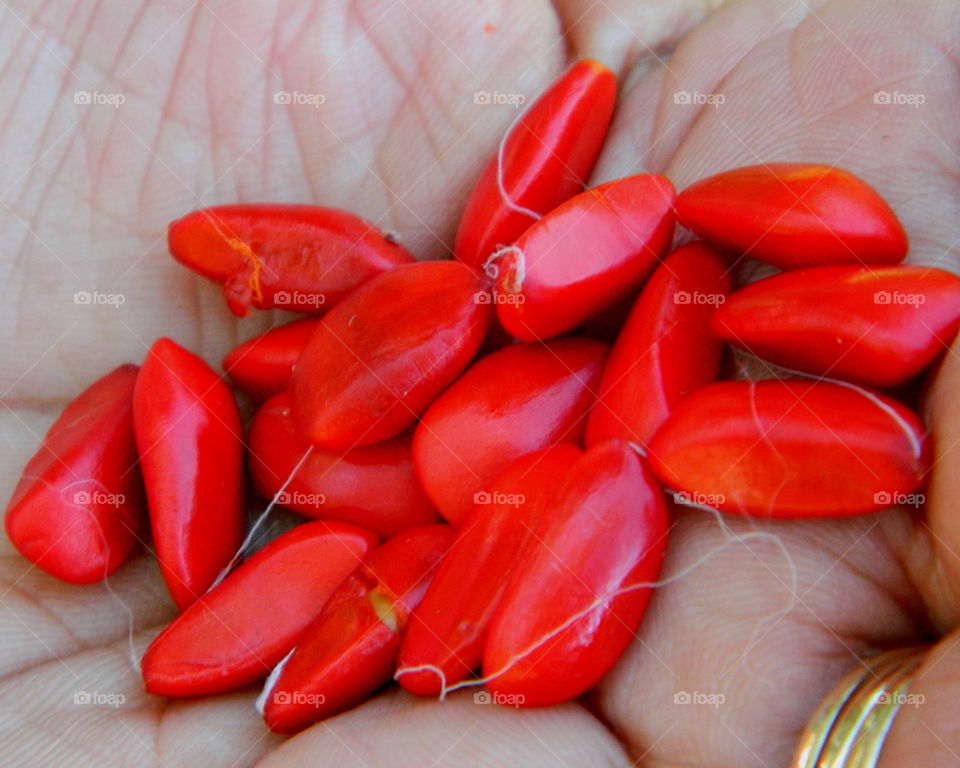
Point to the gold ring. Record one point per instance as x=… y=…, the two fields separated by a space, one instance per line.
x=849 y=727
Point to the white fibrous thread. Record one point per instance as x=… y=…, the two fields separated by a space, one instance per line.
x=915 y=444
x=132 y=654
x=503 y=192
x=261 y=701
x=492 y=269
x=261 y=519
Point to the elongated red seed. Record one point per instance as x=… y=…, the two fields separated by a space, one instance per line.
x=878 y=326
x=447 y=632
x=350 y=649
x=374 y=485
x=234 y=634
x=78 y=508
x=666 y=349
x=584 y=256
x=580 y=587
x=791 y=449
x=303 y=258
x=794 y=215
x=517 y=400
x=262 y=366
x=189 y=438
x=544 y=160
x=380 y=357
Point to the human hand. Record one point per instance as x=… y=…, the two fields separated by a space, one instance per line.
x=399 y=139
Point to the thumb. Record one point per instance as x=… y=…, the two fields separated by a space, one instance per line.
x=926 y=731
x=940 y=581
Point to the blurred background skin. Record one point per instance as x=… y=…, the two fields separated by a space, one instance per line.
x=120 y=117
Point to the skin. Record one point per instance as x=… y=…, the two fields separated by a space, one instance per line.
x=89 y=190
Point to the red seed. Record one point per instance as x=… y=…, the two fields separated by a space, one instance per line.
x=665 y=350
x=380 y=357
x=515 y=401
x=794 y=215
x=791 y=449
x=878 y=326
x=374 y=485
x=302 y=258
x=263 y=365
x=78 y=509
x=447 y=632
x=584 y=256
x=543 y=161
x=236 y=633
x=574 y=602
x=189 y=439
x=350 y=649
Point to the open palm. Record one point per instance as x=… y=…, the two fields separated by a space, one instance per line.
x=380 y=119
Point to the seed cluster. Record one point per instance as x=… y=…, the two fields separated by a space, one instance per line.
x=483 y=445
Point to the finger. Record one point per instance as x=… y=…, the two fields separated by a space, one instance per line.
x=925 y=731
x=398 y=730
x=761 y=620
x=943 y=578
x=625 y=34
x=653 y=118
x=91 y=710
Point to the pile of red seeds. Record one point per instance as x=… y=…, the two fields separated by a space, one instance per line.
x=484 y=391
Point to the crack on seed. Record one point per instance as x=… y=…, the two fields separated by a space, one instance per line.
x=253 y=279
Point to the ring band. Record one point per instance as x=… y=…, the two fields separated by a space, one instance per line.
x=849 y=727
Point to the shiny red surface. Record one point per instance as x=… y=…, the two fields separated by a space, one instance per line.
x=189 y=439
x=303 y=258
x=794 y=215
x=349 y=651
x=791 y=449
x=546 y=158
x=78 y=510
x=449 y=628
x=570 y=608
x=879 y=326
x=584 y=256
x=517 y=400
x=262 y=366
x=381 y=356
x=665 y=350
x=374 y=485
x=245 y=625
